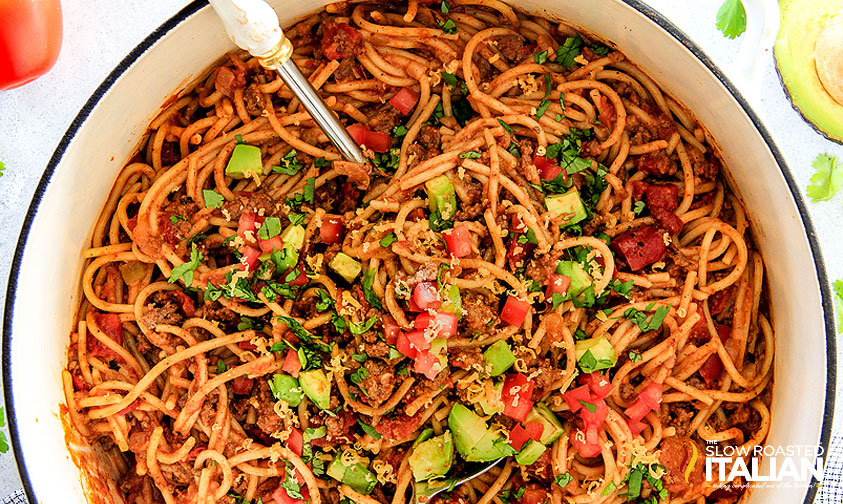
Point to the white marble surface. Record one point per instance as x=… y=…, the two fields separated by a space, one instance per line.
x=99 y=33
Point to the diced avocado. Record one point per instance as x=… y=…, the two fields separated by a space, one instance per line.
x=360 y=478
x=568 y=204
x=345 y=266
x=433 y=457
x=316 y=387
x=530 y=452
x=439 y=348
x=492 y=446
x=808 y=59
x=580 y=280
x=441 y=196
x=293 y=235
x=244 y=159
x=498 y=358
x=286 y=388
x=492 y=405
x=355 y=475
x=451 y=300
x=423 y=436
x=553 y=429
x=595 y=354
x=467 y=428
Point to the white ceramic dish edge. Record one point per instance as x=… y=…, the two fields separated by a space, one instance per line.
x=33 y=392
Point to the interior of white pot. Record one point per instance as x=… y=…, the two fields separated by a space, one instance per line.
x=42 y=317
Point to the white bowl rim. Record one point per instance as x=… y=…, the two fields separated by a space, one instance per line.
x=195 y=6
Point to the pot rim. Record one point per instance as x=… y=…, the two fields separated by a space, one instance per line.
x=195 y=6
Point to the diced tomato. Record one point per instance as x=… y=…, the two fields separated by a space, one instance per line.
x=574 y=396
x=109 y=323
x=515 y=311
x=378 y=142
x=522 y=433
x=665 y=196
x=30 y=37
x=374 y=140
x=403 y=344
x=516 y=225
x=399 y=428
x=427 y=364
x=404 y=100
x=580 y=441
x=274 y=243
x=242 y=385
x=418 y=339
x=458 y=240
x=391 y=329
x=185 y=303
x=516 y=396
x=533 y=496
x=636 y=426
x=412 y=306
x=596 y=417
x=331 y=230
x=640 y=246
x=445 y=322
x=291 y=365
x=549 y=170
x=426 y=296
x=556 y=284
x=648 y=400
x=296 y=442
x=599 y=385
x=251 y=255
x=712 y=368
x=280 y=497
x=248 y=222
x=667 y=220
x=637 y=411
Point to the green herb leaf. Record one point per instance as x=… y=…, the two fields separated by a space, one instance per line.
x=731 y=18
x=325 y=301
x=587 y=405
x=270 y=228
x=542 y=108
x=221 y=367
x=563 y=479
x=470 y=155
x=368 y=429
x=399 y=131
x=388 y=240
x=541 y=58
x=838 y=301
x=175 y=218
x=634 y=356
x=658 y=318
x=639 y=207
x=506 y=126
x=212 y=198
x=827 y=180
x=368 y=292
x=185 y=270
x=449 y=26
x=290 y=164
x=609 y=488
x=444 y=7
x=568 y=51
x=361 y=328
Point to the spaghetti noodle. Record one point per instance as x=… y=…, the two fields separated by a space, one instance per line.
x=541 y=262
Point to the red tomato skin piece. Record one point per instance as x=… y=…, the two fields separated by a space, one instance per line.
x=556 y=284
x=402 y=343
x=30 y=38
x=391 y=329
x=242 y=385
x=404 y=101
x=274 y=243
x=425 y=364
x=516 y=396
x=291 y=365
x=597 y=383
x=377 y=141
x=458 y=240
x=332 y=229
x=426 y=296
x=296 y=442
x=251 y=255
x=548 y=170
x=280 y=497
x=515 y=311
x=446 y=322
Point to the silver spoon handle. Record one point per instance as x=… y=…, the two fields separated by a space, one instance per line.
x=253 y=26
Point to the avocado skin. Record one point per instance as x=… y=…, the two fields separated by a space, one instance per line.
x=801 y=23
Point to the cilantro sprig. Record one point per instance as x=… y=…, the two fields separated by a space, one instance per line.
x=827 y=180
x=185 y=270
x=731 y=18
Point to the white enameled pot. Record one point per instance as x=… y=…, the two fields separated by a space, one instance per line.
x=44 y=288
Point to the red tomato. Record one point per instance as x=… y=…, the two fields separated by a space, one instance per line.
x=412 y=306
x=30 y=40
x=291 y=365
x=574 y=396
x=185 y=302
x=242 y=385
x=585 y=448
x=299 y=280
x=391 y=329
x=274 y=243
x=109 y=323
x=296 y=442
x=426 y=296
x=648 y=400
x=331 y=230
x=533 y=496
x=445 y=323
x=405 y=101
x=556 y=284
x=402 y=343
x=418 y=339
x=248 y=222
x=251 y=255
x=378 y=142
x=548 y=170
x=516 y=396
x=516 y=253
x=599 y=385
x=427 y=364
x=524 y=432
x=247 y=345
x=375 y=140
x=636 y=426
x=280 y=497
x=712 y=368
x=458 y=240
x=515 y=311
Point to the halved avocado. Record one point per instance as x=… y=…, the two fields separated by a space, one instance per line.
x=809 y=58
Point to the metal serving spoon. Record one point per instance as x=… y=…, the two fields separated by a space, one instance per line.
x=426 y=490
x=253 y=26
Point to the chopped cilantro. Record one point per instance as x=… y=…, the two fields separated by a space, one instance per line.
x=290 y=164
x=185 y=271
x=541 y=58
x=388 y=240
x=569 y=50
